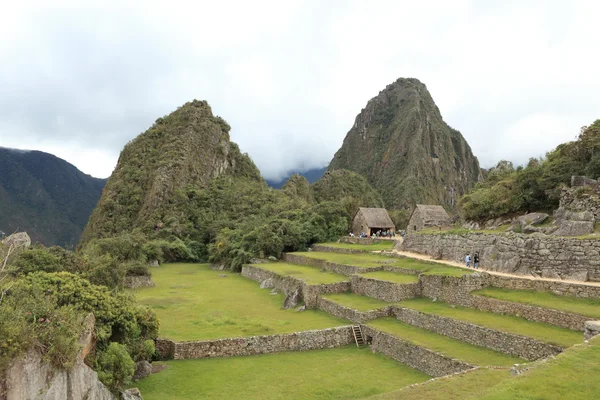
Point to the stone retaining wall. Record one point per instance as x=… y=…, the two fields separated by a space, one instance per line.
x=331 y=249
x=351 y=314
x=134 y=282
x=508 y=343
x=452 y=289
x=254 y=345
x=165 y=348
x=341 y=269
x=532 y=255
x=532 y=313
x=357 y=240
x=560 y=288
x=422 y=359
x=288 y=284
x=384 y=290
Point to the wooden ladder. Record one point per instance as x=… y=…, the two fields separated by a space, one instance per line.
x=358 y=336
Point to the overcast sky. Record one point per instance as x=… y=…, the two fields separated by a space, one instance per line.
x=80 y=79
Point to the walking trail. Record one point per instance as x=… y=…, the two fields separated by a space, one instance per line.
x=459 y=265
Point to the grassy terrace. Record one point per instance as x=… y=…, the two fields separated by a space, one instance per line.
x=194 y=303
x=385 y=245
x=450 y=347
x=506 y=323
x=391 y=277
x=376 y=260
x=342 y=373
x=310 y=275
x=587 y=307
x=355 y=301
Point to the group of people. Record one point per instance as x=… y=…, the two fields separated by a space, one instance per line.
x=472 y=260
x=377 y=234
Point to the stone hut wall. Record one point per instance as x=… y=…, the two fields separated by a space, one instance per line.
x=508 y=343
x=254 y=345
x=529 y=255
x=424 y=360
x=384 y=290
x=351 y=314
x=415 y=223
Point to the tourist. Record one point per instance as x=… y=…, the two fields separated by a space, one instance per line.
x=476 y=260
x=468 y=260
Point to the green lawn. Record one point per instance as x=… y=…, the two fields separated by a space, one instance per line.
x=194 y=303
x=572 y=375
x=467 y=386
x=385 y=245
x=506 y=323
x=310 y=275
x=355 y=301
x=342 y=373
x=587 y=307
x=452 y=348
x=391 y=277
x=376 y=260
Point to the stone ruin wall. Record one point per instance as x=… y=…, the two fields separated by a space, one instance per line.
x=422 y=359
x=507 y=343
x=327 y=265
x=535 y=255
x=330 y=249
x=134 y=282
x=254 y=345
x=384 y=290
x=338 y=310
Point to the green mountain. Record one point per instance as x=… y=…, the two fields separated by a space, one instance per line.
x=401 y=144
x=45 y=196
x=189 y=147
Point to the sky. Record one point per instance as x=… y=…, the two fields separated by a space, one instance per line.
x=80 y=79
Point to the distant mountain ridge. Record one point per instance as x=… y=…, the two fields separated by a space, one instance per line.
x=311 y=175
x=401 y=144
x=45 y=196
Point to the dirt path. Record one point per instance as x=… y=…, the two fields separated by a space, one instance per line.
x=459 y=265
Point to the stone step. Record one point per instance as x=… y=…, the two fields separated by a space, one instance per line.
x=448 y=347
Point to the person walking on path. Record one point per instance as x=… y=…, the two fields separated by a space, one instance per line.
x=476 y=261
x=468 y=260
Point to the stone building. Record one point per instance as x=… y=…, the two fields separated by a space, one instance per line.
x=426 y=216
x=370 y=220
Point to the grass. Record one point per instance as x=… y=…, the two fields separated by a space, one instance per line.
x=342 y=373
x=587 y=307
x=391 y=276
x=507 y=323
x=194 y=303
x=384 y=245
x=310 y=275
x=452 y=348
x=467 y=386
x=357 y=302
x=375 y=260
x=572 y=375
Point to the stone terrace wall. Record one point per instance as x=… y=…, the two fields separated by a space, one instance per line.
x=533 y=255
x=165 y=348
x=384 y=290
x=341 y=269
x=288 y=284
x=452 y=289
x=351 y=314
x=233 y=347
x=560 y=288
x=357 y=240
x=331 y=249
x=508 y=343
x=426 y=361
x=532 y=313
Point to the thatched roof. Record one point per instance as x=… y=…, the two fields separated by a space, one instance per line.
x=376 y=217
x=433 y=214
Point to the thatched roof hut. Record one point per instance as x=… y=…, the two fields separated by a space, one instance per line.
x=425 y=216
x=370 y=220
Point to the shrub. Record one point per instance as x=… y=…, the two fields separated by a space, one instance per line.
x=115 y=367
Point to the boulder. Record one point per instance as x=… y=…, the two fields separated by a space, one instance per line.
x=574 y=228
x=19 y=239
x=577 y=276
x=131 y=394
x=153 y=263
x=301 y=308
x=591 y=329
x=531 y=229
x=142 y=370
x=535 y=218
x=272 y=258
x=267 y=284
x=293 y=299
x=550 y=274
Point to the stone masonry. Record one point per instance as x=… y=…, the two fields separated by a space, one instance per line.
x=531 y=255
x=384 y=290
x=337 y=310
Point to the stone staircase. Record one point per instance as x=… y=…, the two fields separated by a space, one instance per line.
x=358 y=336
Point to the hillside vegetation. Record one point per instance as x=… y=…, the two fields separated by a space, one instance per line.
x=537 y=186
x=45 y=196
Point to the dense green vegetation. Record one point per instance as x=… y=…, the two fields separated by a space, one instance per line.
x=194 y=302
x=45 y=196
x=536 y=187
x=507 y=323
x=577 y=305
x=342 y=373
x=310 y=275
x=355 y=301
x=475 y=355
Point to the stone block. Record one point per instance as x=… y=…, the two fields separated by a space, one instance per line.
x=592 y=328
